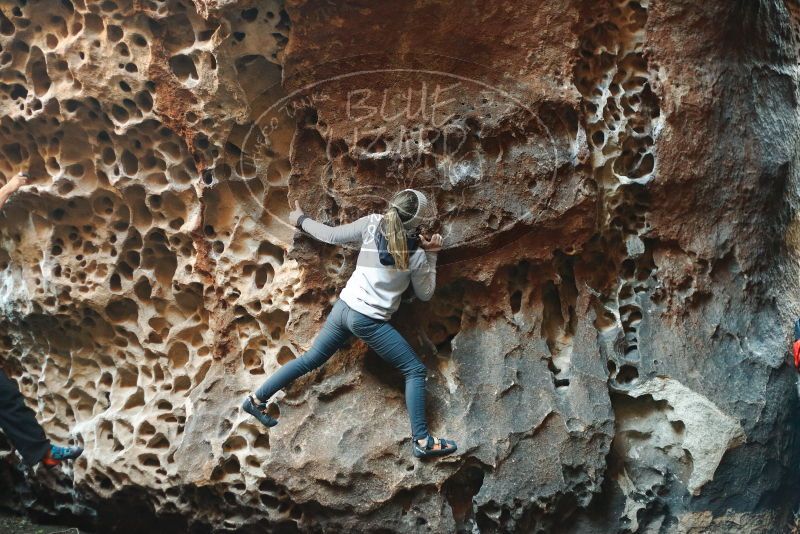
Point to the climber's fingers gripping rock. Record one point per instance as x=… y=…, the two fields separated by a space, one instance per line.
x=12 y=186
x=20 y=180
x=296 y=214
x=434 y=244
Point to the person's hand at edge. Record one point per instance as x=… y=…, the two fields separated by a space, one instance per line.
x=19 y=180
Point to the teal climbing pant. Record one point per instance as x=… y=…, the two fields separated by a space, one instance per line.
x=383 y=338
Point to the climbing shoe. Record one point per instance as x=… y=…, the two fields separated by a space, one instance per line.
x=433 y=447
x=258 y=410
x=57 y=454
x=796 y=345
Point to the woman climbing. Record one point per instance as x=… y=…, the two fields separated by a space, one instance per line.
x=392 y=255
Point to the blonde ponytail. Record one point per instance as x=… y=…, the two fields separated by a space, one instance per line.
x=396 y=238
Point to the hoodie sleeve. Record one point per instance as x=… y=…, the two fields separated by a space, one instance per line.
x=336 y=235
x=423 y=278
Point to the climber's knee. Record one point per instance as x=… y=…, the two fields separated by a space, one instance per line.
x=417 y=370
x=304 y=365
x=309 y=361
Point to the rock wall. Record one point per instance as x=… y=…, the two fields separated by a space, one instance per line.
x=617 y=185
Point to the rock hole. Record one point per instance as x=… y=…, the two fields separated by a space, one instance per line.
x=460 y=489
x=181 y=383
x=178 y=355
x=183 y=67
x=129 y=163
x=114 y=33
x=18 y=92
x=6 y=26
x=144 y=101
x=39 y=76
x=627 y=374
x=119 y=113
x=138 y=40
x=516 y=301
x=285 y=355
x=143 y=289
x=122 y=310
x=264 y=275
x=262 y=442
x=136 y=400
x=250 y=15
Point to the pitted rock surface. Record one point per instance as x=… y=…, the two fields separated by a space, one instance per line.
x=617 y=186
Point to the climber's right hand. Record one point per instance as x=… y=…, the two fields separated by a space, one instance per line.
x=295 y=214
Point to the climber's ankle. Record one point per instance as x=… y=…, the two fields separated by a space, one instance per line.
x=258 y=409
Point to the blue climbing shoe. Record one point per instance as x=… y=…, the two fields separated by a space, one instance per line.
x=258 y=410
x=57 y=454
x=433 y=447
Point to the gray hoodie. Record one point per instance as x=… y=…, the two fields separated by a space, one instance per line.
x=374 y=289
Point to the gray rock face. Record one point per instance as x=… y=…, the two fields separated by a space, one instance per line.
x=617 y=185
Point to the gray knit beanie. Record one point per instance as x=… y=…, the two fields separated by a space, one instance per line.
x=422 y=207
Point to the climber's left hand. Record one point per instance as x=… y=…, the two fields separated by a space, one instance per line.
x=20 y=180
x=434 y=244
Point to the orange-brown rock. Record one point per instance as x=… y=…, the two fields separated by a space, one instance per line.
x=617 y=186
